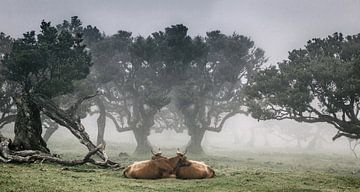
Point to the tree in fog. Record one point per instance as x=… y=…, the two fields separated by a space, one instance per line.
x=212 y=91
x=91 y=35
x=106 y=55
x=131 y=75
x=46 y=64
x=6 y=87
x=320 y=83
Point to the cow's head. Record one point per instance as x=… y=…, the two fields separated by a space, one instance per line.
x=182 y=159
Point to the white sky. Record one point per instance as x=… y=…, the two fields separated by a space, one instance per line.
x=277 y=26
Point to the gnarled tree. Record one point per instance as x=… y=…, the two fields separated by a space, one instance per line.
x=91 y=35
x=46 y=64
x=320 y=83
x=134 y=92
x=212 y=92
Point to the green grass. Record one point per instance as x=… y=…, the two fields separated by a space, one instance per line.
x=235 y=171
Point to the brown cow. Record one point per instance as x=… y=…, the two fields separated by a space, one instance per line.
x=189 y=169
x=156 y=168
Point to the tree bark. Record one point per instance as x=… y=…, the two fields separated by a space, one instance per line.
x=143 y=144
x=196 y=137
x=28 y=127
x=101 y=121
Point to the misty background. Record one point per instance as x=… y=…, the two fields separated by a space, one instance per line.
x=275 y=26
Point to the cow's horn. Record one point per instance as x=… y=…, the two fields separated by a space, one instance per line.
x=152 y=151
x=185 y=151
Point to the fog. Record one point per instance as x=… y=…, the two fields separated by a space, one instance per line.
x=275 y=26
x=241 y=133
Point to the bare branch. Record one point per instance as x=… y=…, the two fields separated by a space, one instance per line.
x=72 y=110
x=227 y=116
x=349 y=135
x=6 y=120
x=118 y=127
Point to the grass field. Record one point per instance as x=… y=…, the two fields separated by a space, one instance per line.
x=235 y=171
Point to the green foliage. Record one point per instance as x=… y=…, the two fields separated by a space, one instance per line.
x=5 y=44
x=213 y=88
x=320 y=83
x=90 y=34
x=5 y=88
x=47 y=63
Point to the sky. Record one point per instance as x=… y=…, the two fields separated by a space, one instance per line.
x=277 y=26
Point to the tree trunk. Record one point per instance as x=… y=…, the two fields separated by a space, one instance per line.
x=28 y=127
x=73 y=124
x=143 y=144
x=194 y=145
x=101 y=121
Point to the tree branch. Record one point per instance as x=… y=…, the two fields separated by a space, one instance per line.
x=227 y=116
x=28 y=156
x=348 y=135
x=118 y=127
x=6 y=120
x=61 y=117
x=72 y=110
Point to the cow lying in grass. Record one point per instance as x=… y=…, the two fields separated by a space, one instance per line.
x=156 y=168
x=164 y=167
x=189 y=169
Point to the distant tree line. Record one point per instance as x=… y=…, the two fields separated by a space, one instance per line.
x=169 y=80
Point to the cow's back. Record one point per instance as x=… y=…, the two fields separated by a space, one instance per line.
x=149 y=169
x=197 y=170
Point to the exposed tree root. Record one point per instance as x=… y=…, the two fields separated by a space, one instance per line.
x=29 y=156
x=69 y=120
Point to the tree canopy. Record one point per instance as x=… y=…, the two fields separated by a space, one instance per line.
x=47 y=63
x=320 y=83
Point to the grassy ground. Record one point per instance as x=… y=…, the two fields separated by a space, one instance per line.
x=235 y=171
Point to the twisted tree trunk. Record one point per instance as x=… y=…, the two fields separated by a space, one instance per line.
x=68 y=120
x=143 y=145
x=196 y=137
x=28 y=126
x=101 y=121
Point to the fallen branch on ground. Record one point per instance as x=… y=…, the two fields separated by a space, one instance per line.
x=29 y=156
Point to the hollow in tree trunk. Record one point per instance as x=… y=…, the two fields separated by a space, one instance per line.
x=143 y=144
x=28 y=127
x=101 y=121
x=194 y=145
